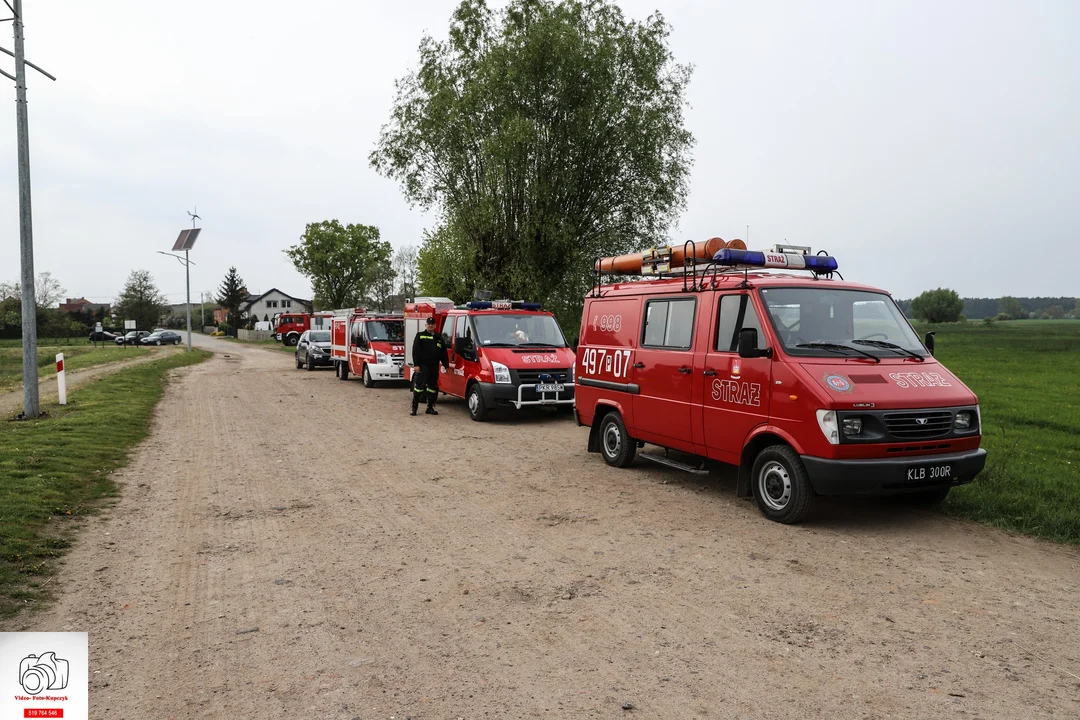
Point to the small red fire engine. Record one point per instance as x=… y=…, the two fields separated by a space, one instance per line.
x=288 y=327
x=502 y=353
x=371 y=345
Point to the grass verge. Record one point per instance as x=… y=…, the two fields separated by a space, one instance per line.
x=1027 y=377
x=269 y=344
x=56 y=470
x=75 y=358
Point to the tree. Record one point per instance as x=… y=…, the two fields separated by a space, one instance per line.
x=938 y=306
x=548 y=133
x=47 y=290
x=404 y=265
x=1010 y=306
x=1055 y=312
x=141 y=301
x=342 y=262
x=231 y=295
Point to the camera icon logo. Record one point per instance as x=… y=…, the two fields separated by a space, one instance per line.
x=38 y=673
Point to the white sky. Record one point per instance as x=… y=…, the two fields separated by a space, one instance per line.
x=923 y=144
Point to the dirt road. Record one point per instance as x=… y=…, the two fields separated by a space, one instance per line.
x=291 y=546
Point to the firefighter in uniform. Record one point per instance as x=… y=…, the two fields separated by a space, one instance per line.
x=427 y=352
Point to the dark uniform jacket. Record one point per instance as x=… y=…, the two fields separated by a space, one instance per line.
x=428 y=349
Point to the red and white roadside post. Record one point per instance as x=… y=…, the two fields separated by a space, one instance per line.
x=61 y=381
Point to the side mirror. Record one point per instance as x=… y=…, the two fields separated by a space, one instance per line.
x=463 y=346
x=929 y=342
x=748 y=345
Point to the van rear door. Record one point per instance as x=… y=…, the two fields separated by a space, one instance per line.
x=737 y=390
x=664 y=372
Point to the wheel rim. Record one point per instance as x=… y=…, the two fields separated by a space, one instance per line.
x=367 y=375
x=474 y=402
x=774 y=485
x=612 y=440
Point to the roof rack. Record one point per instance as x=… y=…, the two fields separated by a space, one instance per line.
x=727 y=259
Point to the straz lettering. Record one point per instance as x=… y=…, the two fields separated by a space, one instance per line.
x=549 y=358
x=736 y=392
x=778 y=259
x=918 y=380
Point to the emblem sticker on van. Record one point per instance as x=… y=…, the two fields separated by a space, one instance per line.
x=839 y=383
x=736 y=392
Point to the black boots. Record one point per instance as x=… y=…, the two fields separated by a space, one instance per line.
x=431 y=411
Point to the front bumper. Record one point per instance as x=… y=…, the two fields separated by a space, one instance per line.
x=388 y=371
x=321 y=359
x=893 y=475
x=519 y=396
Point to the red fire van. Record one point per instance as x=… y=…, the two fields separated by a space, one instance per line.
x=371 y=345
x=764 y=360
x=502 y=354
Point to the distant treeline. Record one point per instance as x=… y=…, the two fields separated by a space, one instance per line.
x=977 y=308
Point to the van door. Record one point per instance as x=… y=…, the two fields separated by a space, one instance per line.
x=664 y=372
x=737 y=390
x=448 y=378
x=468 y=365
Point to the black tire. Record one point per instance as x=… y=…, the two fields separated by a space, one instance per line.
x=310 y=364
x=478 y=411
x=926 y=498
x=291 y=340
x=781 y=486
x=616 y=446
x=365 y=377
x=343 y=370
x=299 y=364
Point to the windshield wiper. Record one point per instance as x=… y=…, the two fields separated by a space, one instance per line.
x=497 y=344
x=837 y=347
x=539 y=344
x=890 y=346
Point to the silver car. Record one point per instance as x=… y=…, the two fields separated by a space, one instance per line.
x=313 y=349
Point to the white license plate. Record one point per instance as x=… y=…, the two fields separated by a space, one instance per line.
x=550 y=387
x=930 y=472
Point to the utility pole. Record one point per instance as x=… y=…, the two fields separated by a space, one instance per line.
x=185 y=242
x=26 y=231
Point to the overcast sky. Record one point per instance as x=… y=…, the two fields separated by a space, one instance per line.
x=923 y=144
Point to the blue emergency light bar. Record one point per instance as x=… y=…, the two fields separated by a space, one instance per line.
x=790 y=261
x=501 y=305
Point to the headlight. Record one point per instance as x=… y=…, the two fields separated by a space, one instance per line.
x=502 y=373
x=965 y=420
x=381 y=358
x=573 y=368
x=852 y=426
x=826 y=420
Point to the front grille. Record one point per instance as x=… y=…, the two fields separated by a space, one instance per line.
x=397 y=359
x=919 y=425
x=531 y=377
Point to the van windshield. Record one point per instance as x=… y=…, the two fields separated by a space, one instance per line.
x=821 y=322
x=386 y=330
x=512 y=330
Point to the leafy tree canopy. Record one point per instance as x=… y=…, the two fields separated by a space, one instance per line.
x=141 y=301
x=548 y=133
x=343 y=263
x=938 y=306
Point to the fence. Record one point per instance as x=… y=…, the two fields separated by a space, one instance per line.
x=254 y=335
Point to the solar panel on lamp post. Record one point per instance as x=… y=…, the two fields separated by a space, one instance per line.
x=184 y=242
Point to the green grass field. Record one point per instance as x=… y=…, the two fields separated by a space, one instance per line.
x=76 y=357
x=1027 y=376
x=54 y=470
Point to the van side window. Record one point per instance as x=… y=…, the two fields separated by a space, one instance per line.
x=669 y=323
x=736 y=313
x=448 y=332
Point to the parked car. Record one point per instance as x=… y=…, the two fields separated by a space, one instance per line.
x=133 y=337
x=162 y=337
x=313 y=348
x=103 y=336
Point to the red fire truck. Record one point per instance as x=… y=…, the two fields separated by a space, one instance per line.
x=288 y=327
x=502 y=353
x=763 y=360
x=371 y=345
